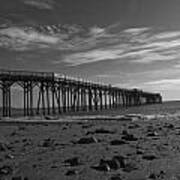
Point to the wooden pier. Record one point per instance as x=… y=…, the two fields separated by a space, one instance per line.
x=59 y=94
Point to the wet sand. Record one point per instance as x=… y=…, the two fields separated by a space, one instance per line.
x=137 y=148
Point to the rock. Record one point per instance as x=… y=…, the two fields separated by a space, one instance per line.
x=5 y=170
x=133 y=126
x=51 y=118
x=73 y=161
x=17 y=178
x=48 y=143
x=100 y=131
x=103 y=166
x=129 y=137
x=160 y=175
x=125 y=132
x=154 y=133
x=103 y=131
x=140 y=151
x=125 y=118
x=152 y=176
x=3 y=146
x=9 y=156
x=117 y=142
x=71 y=172
x=121 y=160
x=149 y=157
x=115 y=178
x=87 y=140
x=129 y=167
x=111 y=164
x=21 y=128
x=169 y=126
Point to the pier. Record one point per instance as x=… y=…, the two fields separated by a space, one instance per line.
x=59 y=94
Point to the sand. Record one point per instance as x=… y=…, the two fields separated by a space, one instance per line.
x=145 y=146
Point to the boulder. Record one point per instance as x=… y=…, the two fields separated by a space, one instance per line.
x=72 y=161
x=129 y=137
x=87 y=140
x=117 y=142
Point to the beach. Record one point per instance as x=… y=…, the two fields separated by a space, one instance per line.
x=138 y=143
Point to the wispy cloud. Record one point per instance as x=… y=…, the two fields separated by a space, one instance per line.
x=136 y=31
x=162 y=85
x=80 y=45
x=91 y=56
x=19 y=39
x=163 y=81
x=40 y=4
x=136 y=45
x=177 y=66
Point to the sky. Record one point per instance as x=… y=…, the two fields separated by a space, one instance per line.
x=126 y=43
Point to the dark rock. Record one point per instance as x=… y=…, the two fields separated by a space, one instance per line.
x=5 y=170
x=140 y=151
x=73 y=161
x=3 y=147
x=103 y=131
x=100 y=131
x=54 y=167
x=17 y=178
x=169 y=126
x=154 y=133
x=48 y=143
x=14 y=133
x=160 y=175
x=126 y=118
x=115 y=178
x=117 y=142
x=9 y=156
x=133 y=126
x=87 y=140
x=51 y=118
x=130 y=167
x=21 y=128
x=124 y=132
x=103 y=166
x=129 y=137
x=121 y=160
x=113 y=164
x=71 y=172
x=149 y=157
x=152 y=176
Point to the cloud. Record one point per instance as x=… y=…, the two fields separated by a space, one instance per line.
x=162 y=85
x=79 y=45
x=40 y=4
x=136 y=45
x=136 y=31
x=152 y=57
x=164 y=81
x=19 y=39
x=177 y=66
x=97 y=31
x=167 y=35
x=91 y=56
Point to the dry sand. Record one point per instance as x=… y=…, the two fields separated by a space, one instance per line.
x=139 y=148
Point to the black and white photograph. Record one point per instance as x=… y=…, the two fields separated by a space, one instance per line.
x=89 y=89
